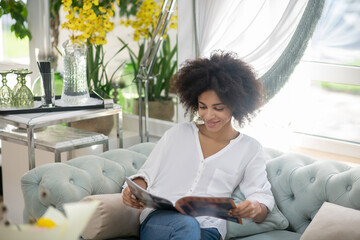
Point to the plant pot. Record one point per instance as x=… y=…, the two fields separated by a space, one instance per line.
x=162 y=109
x=102 y=125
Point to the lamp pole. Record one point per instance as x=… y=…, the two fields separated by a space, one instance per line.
x=147 y=63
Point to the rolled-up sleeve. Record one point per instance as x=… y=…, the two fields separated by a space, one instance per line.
x=255 y=185
x=150 y=168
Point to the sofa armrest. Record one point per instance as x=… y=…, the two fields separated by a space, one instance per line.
x=53 y=185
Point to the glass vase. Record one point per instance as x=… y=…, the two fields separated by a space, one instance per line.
x=75 y=88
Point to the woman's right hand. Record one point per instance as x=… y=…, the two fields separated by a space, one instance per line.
x=129 y=198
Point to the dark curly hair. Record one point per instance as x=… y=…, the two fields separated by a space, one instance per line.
x=231 y=78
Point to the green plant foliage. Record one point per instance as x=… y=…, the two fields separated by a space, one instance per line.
x=339 y=87
x=128 y=8
x=18 y=12
x=165 y=65
x=97 y=77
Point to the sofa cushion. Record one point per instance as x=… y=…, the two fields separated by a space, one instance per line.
x=112 y=218
x=274 y=220
x=334 y=222
x=273 y=235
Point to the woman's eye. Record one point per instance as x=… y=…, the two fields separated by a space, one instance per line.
x=202 y=107
x=219 y=109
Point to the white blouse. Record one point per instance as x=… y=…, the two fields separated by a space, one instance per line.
x=176 y=168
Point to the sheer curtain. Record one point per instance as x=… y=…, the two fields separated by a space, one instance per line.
x=270 y=35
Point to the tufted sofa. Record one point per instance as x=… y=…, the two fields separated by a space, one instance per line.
x=300 y=185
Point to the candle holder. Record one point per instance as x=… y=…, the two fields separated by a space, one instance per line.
x=18 y=78
x=24 y=97
x=6 y=94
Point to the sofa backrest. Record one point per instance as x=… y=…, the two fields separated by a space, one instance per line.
x=301 y=184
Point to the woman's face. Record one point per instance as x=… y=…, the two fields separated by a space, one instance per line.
x=213 y=111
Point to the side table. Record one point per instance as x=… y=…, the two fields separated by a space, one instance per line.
x=56 y=139
x=31 y=121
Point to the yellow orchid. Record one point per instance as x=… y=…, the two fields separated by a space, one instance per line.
x=146 y=19
x=82 y=17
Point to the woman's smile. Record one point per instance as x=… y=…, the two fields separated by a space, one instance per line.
x=215 y=114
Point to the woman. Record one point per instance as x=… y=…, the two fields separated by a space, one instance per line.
x=210 y=158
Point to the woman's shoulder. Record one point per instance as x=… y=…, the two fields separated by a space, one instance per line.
x=182 y=128
x=249 y=142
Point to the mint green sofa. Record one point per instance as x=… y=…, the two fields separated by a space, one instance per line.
x=300 y=185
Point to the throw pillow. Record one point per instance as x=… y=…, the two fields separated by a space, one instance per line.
x=112 y=218
x=274 y=220
x=333 y=222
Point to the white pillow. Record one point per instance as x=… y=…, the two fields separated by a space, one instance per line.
x=334 y=222
x=112 y=218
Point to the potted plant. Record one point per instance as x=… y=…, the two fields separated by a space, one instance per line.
x=165 y=62
x=89 y=22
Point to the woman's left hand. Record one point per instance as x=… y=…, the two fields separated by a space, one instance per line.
x=249 y=209
x=246 y=209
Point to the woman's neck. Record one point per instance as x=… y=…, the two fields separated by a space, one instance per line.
x=226 y=134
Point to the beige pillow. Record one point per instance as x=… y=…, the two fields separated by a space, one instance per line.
x=334 y=222
x=112 y=218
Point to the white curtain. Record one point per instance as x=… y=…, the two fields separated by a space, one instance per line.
x=258 y=30
x=270 y=35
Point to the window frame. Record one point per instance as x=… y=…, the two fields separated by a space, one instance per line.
x=329 y=73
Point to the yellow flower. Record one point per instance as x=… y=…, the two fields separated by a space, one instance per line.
x=146 y=19
x=88 y=20
x=45 y=223
x=102 y=9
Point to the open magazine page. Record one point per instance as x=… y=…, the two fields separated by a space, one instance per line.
x=194 y=206
x=149 y=199
x=207 y=206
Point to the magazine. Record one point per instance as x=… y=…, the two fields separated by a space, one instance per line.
x=190 y=205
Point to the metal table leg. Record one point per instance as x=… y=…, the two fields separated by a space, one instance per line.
x=31 y=147
x=119 y=130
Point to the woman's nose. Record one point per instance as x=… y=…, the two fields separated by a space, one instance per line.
x=209 y=113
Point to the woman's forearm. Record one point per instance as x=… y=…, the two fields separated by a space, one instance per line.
x=141 y=182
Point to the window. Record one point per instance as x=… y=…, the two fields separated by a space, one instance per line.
x=322 y=97
x=12 y=49
x=14 y=52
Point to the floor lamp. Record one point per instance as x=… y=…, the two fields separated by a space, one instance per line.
x=147 y=63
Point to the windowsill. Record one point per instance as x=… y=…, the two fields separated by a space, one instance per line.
x=311 y=146
x=156 y=127
x=352 y=161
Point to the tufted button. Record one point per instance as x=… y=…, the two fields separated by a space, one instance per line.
x=312 y=179
x=278 y=172
x=71 y=180
x=103 y=171
x=348 y=188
